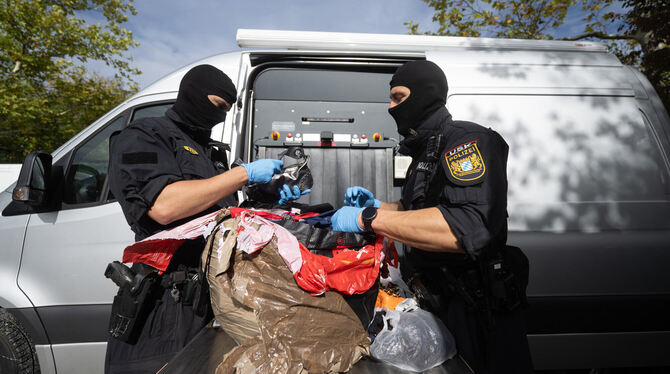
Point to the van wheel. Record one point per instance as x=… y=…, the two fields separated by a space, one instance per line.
x=17 y=353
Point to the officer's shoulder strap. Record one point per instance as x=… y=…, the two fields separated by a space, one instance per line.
x=436 y=147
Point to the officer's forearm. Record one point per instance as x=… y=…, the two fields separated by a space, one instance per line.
x=425 y=229
x=397 y=205
x=185 y=198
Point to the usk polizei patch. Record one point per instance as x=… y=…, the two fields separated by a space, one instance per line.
x=465 y=163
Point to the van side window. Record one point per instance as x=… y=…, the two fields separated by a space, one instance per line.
x=150 y=111
x=86 y=178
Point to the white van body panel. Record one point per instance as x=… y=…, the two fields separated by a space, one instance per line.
x=12 y=230
x=80 y=358
x=87 y=239
x=8 y=174
x=46 y=359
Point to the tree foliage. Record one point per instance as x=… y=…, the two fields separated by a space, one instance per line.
x=648 y=24
x=642 y=36
x=46 y=95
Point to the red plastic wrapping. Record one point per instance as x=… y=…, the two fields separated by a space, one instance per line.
x=348 y=271
x=158 y=249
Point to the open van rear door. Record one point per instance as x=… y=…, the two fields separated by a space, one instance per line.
x=337 y=112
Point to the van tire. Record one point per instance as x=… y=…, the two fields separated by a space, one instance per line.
x=17 y=353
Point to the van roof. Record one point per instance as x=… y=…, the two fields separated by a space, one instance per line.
x=255 y=38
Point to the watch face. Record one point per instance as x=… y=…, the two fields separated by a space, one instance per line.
x=369 y=213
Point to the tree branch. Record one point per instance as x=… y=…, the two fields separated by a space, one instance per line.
x=602 y=35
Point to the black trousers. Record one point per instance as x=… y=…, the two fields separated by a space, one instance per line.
x=503 y=349
x=500 y=350
x=168 y=328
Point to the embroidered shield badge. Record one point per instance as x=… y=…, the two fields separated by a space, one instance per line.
x=465 y=162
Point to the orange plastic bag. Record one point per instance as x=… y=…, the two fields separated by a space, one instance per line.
x=386 y=300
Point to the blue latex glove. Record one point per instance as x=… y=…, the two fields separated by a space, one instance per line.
x=287 y=195
x=346 y=219
x=261 y=171
x=360 y=197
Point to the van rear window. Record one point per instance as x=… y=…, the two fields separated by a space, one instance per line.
x=322 y=85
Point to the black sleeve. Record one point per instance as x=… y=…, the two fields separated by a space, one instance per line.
x=142 y=163
x=474 y=198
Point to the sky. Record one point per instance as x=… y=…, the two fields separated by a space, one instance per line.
x=173 y=33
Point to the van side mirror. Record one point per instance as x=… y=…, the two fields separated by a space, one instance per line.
x=33 y=183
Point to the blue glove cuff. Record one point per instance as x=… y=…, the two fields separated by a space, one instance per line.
x=377 y=203
x=346 y=219
x=248 y=170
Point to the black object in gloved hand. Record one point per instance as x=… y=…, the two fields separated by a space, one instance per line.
x=294 y=173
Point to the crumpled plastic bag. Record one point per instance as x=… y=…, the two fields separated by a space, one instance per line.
x=415 y=341
x=279 y=327
x=348 y=272
x=295 y=172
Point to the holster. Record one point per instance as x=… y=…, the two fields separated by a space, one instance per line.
x=506 y=278
x=130 y=309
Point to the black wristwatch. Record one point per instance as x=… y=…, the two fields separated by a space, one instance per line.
x=368 y=215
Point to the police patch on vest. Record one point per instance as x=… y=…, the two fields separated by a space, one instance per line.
x=465 y=163
x=193 y=151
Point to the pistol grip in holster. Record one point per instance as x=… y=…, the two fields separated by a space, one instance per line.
x=131 y=308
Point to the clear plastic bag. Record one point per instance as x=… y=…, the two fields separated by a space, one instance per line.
x=415 y=340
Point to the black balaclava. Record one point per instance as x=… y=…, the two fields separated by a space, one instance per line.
x=428 y=93
x=193 y=105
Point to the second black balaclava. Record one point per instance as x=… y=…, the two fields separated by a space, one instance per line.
x=193 y=105
x=428 y=93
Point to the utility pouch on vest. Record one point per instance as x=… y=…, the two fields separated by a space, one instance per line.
x=201 y=301
x=132 y=303
x=188 y=286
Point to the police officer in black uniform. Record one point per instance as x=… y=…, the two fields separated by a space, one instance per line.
x=164 y=172
x=452 y=216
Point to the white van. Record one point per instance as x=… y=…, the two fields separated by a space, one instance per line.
x=589 y=191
